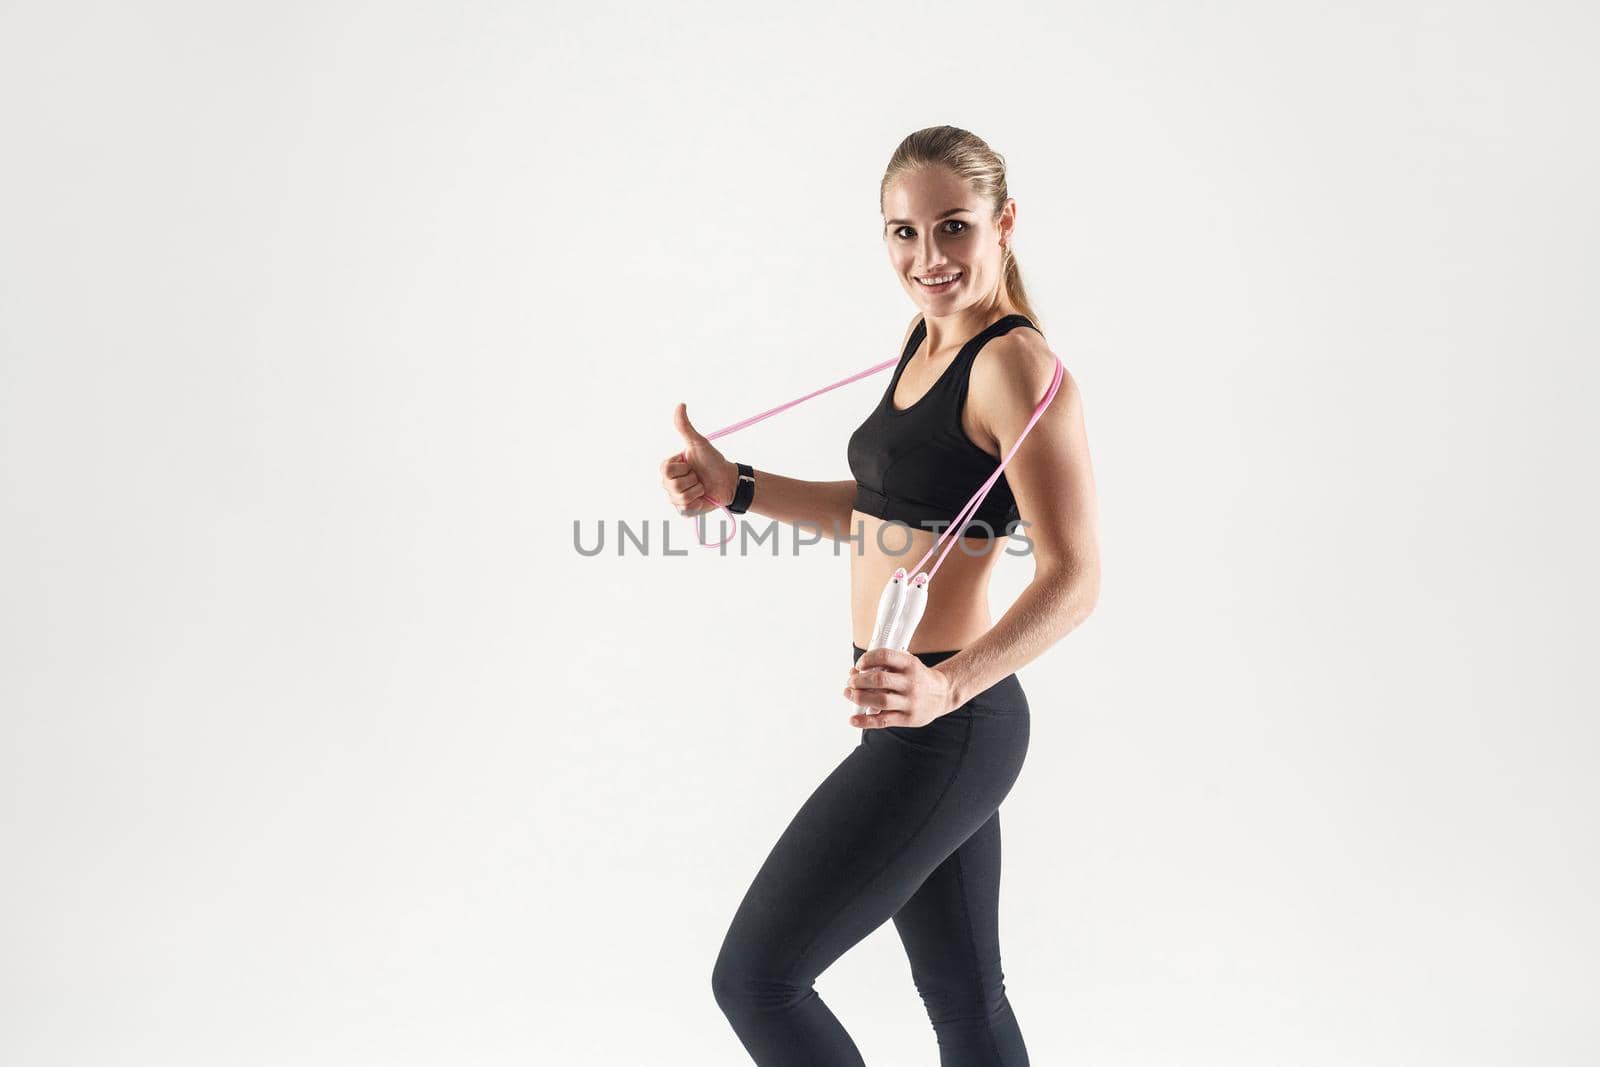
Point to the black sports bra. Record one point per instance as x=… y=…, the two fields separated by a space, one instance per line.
x=918 y=465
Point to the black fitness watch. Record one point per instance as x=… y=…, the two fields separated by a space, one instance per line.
x=746 y=490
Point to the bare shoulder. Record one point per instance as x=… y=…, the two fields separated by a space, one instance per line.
x=1010 y=376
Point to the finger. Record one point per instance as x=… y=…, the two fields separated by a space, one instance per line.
x=686 y=430
x=861 y=698
x=879 y=699
x=683 y=483
x=893 y=658
x=695 y=498
x=673 y=467
x=880 y=720
x=689 y=494
x=879 y=678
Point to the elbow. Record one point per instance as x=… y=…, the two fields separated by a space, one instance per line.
x=1086 y=593
x=1078 y=588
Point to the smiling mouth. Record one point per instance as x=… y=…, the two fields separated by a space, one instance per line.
x=940 y=281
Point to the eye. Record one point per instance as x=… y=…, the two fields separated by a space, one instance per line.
x=900 y=231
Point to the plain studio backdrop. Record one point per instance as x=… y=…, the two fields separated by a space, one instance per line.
x=331 y=330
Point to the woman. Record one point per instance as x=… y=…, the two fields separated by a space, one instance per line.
x=907 y=827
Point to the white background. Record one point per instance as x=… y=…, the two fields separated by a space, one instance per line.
x=322 y=324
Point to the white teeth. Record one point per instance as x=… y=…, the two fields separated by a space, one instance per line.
x=940 y=280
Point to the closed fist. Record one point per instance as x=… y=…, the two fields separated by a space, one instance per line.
x=700 y=477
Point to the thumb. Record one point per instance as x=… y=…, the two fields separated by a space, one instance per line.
x=680 y=419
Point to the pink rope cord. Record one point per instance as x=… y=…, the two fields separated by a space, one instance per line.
x=700 y=525
x=949 y=533
x=971 y=508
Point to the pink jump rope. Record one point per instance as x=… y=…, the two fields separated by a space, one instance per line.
x=901 y=605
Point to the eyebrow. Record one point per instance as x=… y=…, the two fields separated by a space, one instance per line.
x=936 y=218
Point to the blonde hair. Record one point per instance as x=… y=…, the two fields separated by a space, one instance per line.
x=974 y=162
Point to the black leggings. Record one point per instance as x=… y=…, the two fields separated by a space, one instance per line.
x=906 y=827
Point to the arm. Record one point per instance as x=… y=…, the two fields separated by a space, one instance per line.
x=1053 y=482
x=824 y=505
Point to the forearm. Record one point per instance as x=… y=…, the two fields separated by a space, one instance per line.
x=824 y=506
x=1051 y=606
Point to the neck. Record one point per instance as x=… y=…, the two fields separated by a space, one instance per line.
x=958 y=327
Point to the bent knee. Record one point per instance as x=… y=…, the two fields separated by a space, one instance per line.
x=742 y=983
x=727 y=982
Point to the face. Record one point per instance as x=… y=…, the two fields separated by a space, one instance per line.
x=935 y=227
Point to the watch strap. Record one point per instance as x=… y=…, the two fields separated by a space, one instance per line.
x=746 y=490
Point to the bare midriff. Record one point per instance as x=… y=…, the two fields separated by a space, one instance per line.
x=958 y=596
